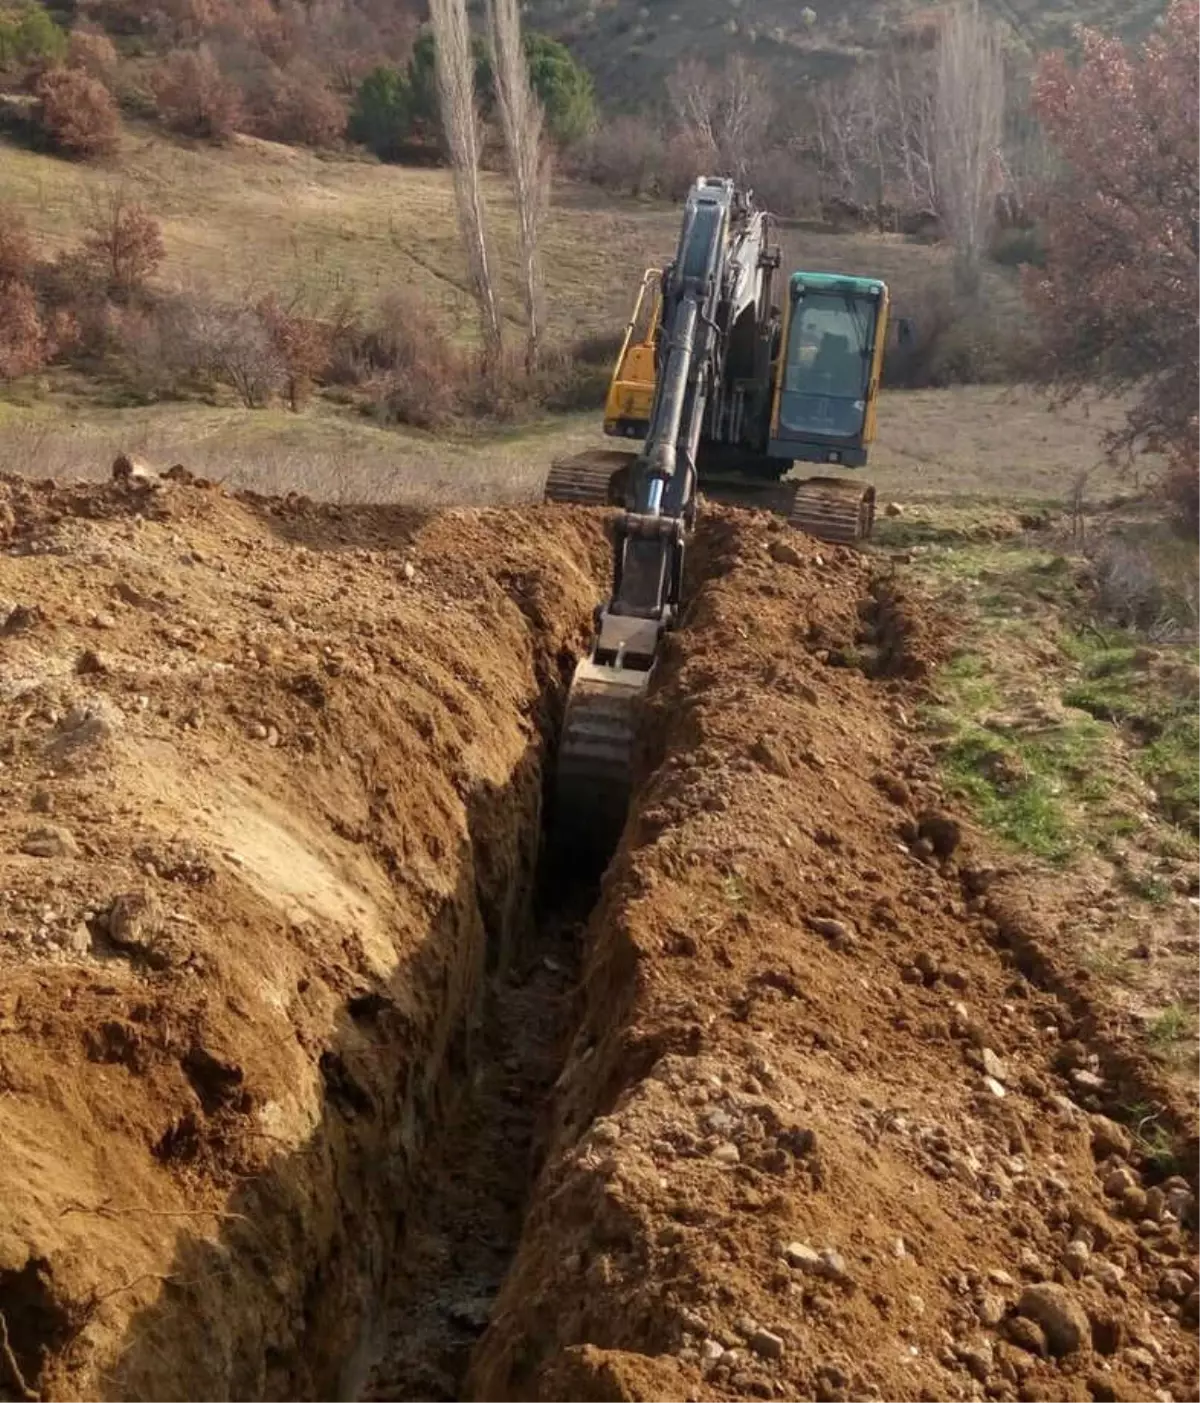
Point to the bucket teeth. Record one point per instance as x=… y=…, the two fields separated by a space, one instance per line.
x=589 y=479
x=834 y=510
x=594 y=774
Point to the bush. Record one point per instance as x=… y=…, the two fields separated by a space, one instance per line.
x=562 y=86
x=1180 y=483
x=124 y=246
x=302 y=345
x=16 y=248
x=193 y=96
x=77 y=113
x=299 y=107
x=953 y=342
x=23 y=341
x=381 y=118
x=30 y=36
x=92 y=53
x=623 y=154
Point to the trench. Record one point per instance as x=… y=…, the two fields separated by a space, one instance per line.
x=473 y=1184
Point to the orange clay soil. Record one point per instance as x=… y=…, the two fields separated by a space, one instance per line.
x=270 y=782
x=295 y=1075
x=837 y=1121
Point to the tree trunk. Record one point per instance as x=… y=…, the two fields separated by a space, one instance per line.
x=456 y=93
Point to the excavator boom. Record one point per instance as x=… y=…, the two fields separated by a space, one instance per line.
x=725 y=393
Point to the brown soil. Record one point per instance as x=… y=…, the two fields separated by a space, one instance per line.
x=822 y=1122
x=294 y=1078
x=285 y=766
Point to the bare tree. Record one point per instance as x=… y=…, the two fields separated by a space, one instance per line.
x=727 y=114
x=969 y=132
x=456 y=92
x=528 y=159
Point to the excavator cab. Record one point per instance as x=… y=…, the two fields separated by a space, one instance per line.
x=827 y=375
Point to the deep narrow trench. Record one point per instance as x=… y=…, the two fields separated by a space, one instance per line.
x=473 y=1185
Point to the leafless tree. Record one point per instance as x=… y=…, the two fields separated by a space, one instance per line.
x=460 y=120
x=969 y=132
x=726 y=113
x=528 y=159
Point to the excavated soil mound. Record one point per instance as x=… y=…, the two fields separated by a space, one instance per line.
x=270 y=784
x=828 y=1129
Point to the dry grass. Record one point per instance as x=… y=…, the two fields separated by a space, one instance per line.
x=976 y=442
x=257 y=217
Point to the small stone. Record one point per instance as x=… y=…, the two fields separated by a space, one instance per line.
x=1062 y=1318
x=1076 y=1257
x=256 y=730
x=606 y=1132
x=1174 y=1285
x=1087 y=1081
x=999 y=1277
x=784 y=553
x=995 y=1087
x=1181 y=1202
x=103 y=619
x=893 y=509
x=838 y=933
x=1028 y=1334
x=978 y=1358
x=990 y=1309
x=711 y=1350
x=992 y=1064
x=1133 y=1203
x=1107 y=1273
x=727 y=1153
x=1156 y=1201
x=49 y=841
x=1109 y=1138
x=1118 y=1181
x=833 y=1264
x=409 y=571
x=767 y=1344
x=803 y=1257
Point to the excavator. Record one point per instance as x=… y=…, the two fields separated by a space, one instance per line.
x=726 y=393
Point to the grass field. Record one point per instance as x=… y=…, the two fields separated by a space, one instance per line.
x=257 y=216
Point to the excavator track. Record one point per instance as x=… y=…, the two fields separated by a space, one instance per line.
x=589 y=479
x=594 y=774
x=834 y=510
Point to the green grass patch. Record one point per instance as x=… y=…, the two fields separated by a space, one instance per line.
x=1172 y=1026
x=1014 y=789
x=1169 y=766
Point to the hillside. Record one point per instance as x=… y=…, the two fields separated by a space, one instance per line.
x=630 y=47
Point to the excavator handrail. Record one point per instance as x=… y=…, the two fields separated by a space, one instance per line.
x=648 y=276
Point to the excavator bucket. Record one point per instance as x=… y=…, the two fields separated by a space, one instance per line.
x=594 y=775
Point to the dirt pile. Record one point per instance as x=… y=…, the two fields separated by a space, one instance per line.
x=288 y=1073
x=838 y=1122
x=270 y=780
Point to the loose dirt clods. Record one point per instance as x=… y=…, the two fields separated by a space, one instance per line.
x=303 y=1095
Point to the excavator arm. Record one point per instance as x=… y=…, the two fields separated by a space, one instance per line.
x=720 y=274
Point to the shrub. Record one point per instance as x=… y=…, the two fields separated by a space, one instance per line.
x=562 y=86
x=299 y=107
x=77 y=113
x=29 y=36
x=381 y=117
x=92 y=53
x=124 y=245
x=194 y=98
x=1180 y=483
x=1119 y=290
x=302 y=345
x=23 y=341
x=953 y=342
x=16 y=248
x=1016 y=247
